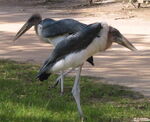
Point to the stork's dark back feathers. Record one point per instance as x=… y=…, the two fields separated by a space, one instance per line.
x=72 y=44
x=61 y=27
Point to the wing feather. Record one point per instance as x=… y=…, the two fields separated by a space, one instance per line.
x=61 y=27
x=73 y=43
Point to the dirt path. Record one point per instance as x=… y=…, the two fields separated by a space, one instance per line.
x=116 y=66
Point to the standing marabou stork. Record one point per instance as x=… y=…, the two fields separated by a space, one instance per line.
x=53 y=32
x=76 y=48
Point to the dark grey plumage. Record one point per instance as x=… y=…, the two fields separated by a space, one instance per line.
x=61 y=27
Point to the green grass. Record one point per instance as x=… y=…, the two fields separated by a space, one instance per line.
x=24 y=99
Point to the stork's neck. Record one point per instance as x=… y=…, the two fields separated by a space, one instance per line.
x=109 y=40
x=36 y=28
x=109 y=43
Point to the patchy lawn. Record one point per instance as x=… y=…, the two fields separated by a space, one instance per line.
x=24 y=99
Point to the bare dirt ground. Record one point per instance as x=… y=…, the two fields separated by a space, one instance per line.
x=116 y=66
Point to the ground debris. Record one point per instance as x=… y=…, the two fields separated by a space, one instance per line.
x=141 y=119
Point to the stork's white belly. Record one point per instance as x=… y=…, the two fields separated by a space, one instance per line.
x=77 y=58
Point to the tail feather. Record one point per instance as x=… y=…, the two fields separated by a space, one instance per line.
x=90 y=60
x=43 y=76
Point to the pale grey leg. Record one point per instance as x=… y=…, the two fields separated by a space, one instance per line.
x=62 y=83
x=61 y=80
x=64 y=74
x=76 y=91
x=58 y=80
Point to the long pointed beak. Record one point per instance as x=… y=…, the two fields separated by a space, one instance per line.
x=124 y=42
x=25 y=27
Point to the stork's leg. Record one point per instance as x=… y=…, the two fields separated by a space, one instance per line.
x=58 y=80
x=62 y=83
x=76 y=91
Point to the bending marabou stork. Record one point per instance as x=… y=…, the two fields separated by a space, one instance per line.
x=53 y=32
x=75 y=49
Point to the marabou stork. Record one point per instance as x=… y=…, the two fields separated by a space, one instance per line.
x=53 y=32
x=76 y=48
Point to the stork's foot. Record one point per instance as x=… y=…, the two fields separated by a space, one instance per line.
x=83 y=118
x=61 y=93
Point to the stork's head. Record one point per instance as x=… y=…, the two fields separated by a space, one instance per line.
x=34 y=20
x=116 y=36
